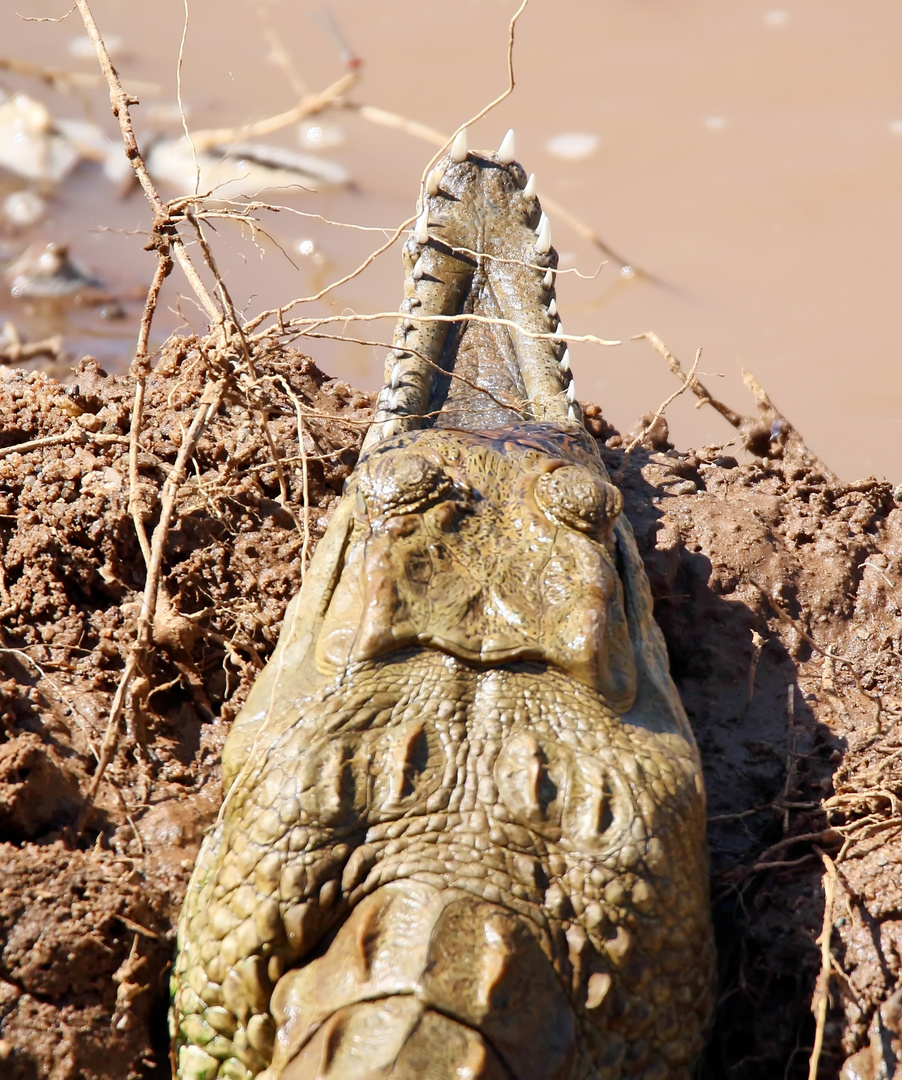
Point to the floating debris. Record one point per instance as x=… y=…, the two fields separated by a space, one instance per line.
x=572 y=145
x=242 y=169
x=321 y=136
x=13 y=350
x=93 y=145
x=82 y=48
x=30 y=143
x=24 y=208
x=48 y=272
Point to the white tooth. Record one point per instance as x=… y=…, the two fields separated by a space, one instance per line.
x=432 y=183
x=543 y=235
x=421 y=228
x=395 y=376
x=459 y=147
x=571 y=392
x=399 y=353
x=530 y=190
x=406 y=325
x=552 y=308
x=571 y=414
x=506 y=149
x=548 y=279
x=417 y=271
x=559 y=329
x=565 y=360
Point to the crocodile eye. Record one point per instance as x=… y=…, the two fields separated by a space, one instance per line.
x=576 y=497
x=400 y=482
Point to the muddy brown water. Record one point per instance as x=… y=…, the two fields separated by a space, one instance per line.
x=748 y=158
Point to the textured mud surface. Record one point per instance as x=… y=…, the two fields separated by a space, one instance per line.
x=760 y=572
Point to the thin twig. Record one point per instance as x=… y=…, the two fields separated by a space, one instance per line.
x=209 y=403
x=302 y=325
x=309 y=105
x=140 y=370
x=67 y=80
x=662 y=408
x=120 y=103
x=697 y=388
x=75 y=434
x=821 y=997
x=790 y=751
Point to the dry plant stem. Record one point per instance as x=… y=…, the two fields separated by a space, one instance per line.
x=397 y=122
x=697 y=388
x=662 y=408
x=279 y=313
x=140 y=369
x=309 y=105
x=303 y=325
x=209 y=403
x=75 y=434
x=120 y=103
x=821 y=997
x=305 y=478
x=829 y=653
x=225 y=323
x=64 y=81
x=13 y=350
x=790 y=752
x=511 y=403
x=82 y=720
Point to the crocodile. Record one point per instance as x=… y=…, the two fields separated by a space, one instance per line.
x=463 y=828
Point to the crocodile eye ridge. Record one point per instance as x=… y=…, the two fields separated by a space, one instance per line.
x=575 y=497
x=400 y=482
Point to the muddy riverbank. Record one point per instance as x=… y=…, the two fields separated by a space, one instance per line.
x=777 y=587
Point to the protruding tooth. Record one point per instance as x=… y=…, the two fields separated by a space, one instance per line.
x=552 y=308
x=571 y=414
x=459 y=147
x=548 y=279
x=421 y=228
x=417 y=271
x=407 y=325
x=395 y=376
x=571 y=392
x=565 y=360
x=506 y=149
x=559 y=329
x=432 y=183
x=543 y=235
x=530 y=190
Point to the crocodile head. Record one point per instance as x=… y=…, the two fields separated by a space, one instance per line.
x=463 y=831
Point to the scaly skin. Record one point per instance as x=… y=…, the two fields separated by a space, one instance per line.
x=463 y=831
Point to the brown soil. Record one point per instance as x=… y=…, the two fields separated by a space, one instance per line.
x=777 y=588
